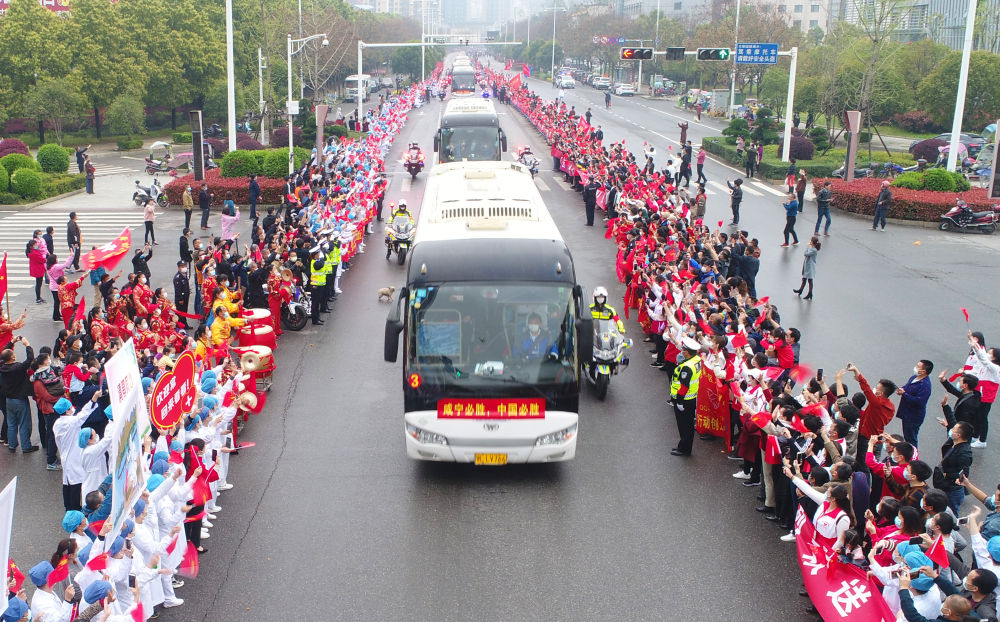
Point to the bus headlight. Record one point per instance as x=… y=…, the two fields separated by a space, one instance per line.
x=556 y=438
x=423 y=436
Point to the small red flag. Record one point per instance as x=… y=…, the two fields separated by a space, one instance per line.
x=761 y=419
x=800 y=373
x=965 y=311
x=191 y=519
x=173 y=545
x=739 y=340
x=763 y=301
x=138 y=613
x=760 y=320
x=188 y=568
x=80 y=313
x=812 y=409
x=938 y=554
x=798 y=426
x=95 y=527
x=3 y=280
x=772 y=373
x=13 y=572
x=60 y=572
x=98 y=563
x=720 y=224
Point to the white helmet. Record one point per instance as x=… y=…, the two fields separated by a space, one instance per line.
x=402 y=202
x=600 y=292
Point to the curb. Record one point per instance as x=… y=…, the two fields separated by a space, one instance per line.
x=28 y=206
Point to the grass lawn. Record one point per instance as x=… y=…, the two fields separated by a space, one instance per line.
x=891 y=130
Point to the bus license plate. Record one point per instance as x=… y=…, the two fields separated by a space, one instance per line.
x=491 y=459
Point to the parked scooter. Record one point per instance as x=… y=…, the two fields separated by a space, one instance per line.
x=962 y=218
x=153 y=191
x=214 y=131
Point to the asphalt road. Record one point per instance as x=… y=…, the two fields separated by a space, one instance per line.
x=330 y=520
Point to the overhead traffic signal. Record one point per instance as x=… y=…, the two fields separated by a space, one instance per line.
x=674 y=53
x=637 y=53
x=713 y=53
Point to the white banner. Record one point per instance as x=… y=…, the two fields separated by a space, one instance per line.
x=6 y=525
x=129 y=425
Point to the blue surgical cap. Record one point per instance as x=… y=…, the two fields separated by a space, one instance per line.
x=72 y=520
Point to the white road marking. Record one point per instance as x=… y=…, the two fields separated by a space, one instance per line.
x=768 y=188
x=405 y=185
x=544 y=187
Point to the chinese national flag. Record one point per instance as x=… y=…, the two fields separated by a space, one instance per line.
x=139 y=613
x=3 y=278
x=98 y=563
x=13 y=572
x=170 y=547
x=515 y=82
x=582 y=124
x=739 y=340
x=938 y=554
x=110 y=254
x=188 y=568
x=60 y=572
x=507 y=66
x=801 y=373
x=80 y=313
x=526 y=69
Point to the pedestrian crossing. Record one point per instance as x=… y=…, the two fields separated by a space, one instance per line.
x=101 y=170
x=96 y=229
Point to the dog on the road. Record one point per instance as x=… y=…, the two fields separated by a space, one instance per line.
x=385 y=294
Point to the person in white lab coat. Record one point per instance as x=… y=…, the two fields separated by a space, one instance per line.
x=95 y=461
x=43 y=602
x=75 y=524
x=66 y=431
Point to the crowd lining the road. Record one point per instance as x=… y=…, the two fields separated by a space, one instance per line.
x=328 y=208
x=802 y=439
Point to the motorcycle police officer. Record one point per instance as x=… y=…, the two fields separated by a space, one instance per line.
x=401 y=210
x=600 y=310
x=684 y=395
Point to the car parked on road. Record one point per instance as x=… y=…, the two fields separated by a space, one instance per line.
x=973 y=142
x=565 y=82
x=602 y=83
x=625 y=90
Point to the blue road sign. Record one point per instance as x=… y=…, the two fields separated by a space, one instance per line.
x=621 y=40
x=756 y=53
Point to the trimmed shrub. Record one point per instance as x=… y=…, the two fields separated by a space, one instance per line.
x=864 y=137
x=239 y=187
x=914 y=121
x=336 y=130
x=924 y=205
x=26 y=183
x=127 y=144
x=4 y=179
x=800 y=148
x=240 y=163
x=246 y=143
x=928 y=149
x=961 y=183
x=53 y=184
x=939 y=180
x=280 y=136
x=275 y=163
x=819 y=137
x=15 y=161
x=9 y=198
x=181 y=138
x=911 y=180
x=13 y=145
x=52 y=158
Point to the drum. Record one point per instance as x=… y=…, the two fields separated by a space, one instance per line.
x=256 y=358
x=260 y=317
x=258 y=335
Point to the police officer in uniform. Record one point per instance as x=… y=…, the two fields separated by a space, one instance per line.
x=684 y=395
x=332 y=264
x=601 y=310
x=317 y=279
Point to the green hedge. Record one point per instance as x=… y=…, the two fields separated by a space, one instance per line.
x=9 y=198
x=52 y=158
x=15 y=161
x=275 y=162
x=127 y=144
x=181 y=138
x=56 y=184
x=4 y=179
x=242 y=163
x=773 y=168
x=27 y=183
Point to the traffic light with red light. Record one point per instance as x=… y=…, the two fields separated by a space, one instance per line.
x=637 y=53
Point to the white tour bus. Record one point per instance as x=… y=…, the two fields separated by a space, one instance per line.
x=353 y=82
x=488 y=262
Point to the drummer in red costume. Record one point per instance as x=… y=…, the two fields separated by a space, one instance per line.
x=278 y=294
x=67 y=297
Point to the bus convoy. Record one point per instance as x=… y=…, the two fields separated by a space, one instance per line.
x=470 y=130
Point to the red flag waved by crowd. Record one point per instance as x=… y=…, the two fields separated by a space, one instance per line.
x=110 y=254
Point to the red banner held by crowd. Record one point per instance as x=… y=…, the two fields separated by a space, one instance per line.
x=838 y=591
x=712 y=415
x=110 y=254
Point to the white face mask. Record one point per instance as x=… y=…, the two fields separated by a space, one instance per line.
x=534 y=329
x=916 y=371
x=143 y=280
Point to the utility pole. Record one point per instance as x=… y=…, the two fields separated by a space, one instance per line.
x=736 y=45
x=963 y=79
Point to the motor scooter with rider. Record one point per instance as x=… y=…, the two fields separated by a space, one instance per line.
x=399 y=233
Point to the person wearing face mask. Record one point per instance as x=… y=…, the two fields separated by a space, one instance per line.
x=913 y=398
x=978 y=587
x=600 y=310
x=223 y=326
x=983 y=364
x=879 y=410
x=182 y=290
x=66 y=431
x=208 y=285
x=954 y=608
x=956 y=461
x=140 y=261
x=142 y=296
x=537 y=343
x=991 y=524
x=924 y=594
x=67 y=297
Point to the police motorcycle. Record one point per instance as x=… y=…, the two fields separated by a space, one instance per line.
x=153 y=191
x=414 y=160
x=610 y=349
x=527 y=158
x=399 y=234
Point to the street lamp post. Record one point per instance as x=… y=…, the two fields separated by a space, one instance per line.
x=301 y=43
x=736 y=44
x=963 y=79
x=552 y=71
x=230 y=77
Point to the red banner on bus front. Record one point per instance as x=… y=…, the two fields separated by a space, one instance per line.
x=491 y=408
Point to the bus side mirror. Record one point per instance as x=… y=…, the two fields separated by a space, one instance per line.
x=393 y=327
x=585 y=339
x=503 y=142
x=437 y=142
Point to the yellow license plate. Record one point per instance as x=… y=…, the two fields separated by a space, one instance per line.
x=491 y=459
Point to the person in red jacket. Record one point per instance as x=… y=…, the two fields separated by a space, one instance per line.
x=877 y=413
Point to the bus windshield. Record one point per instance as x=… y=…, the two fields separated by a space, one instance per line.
x=499 y=339
x=469 y=143
x=463 y=82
